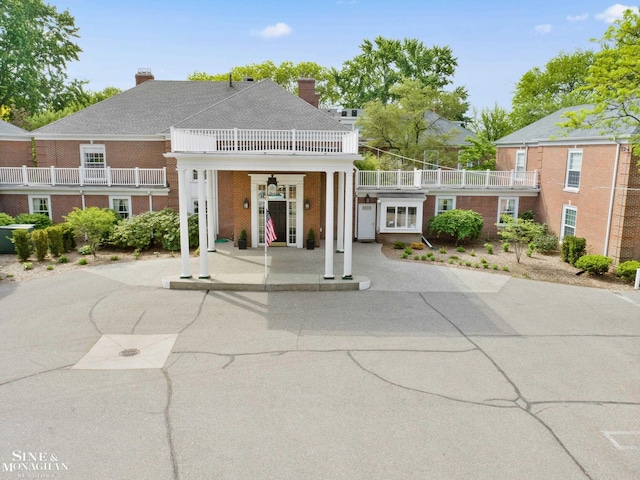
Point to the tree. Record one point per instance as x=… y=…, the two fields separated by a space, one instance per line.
x=489 y=125
x=406 y=126
x=385 y=63
x=36 y=43
x=613 y=81
x=84 y=100
x=519 y=233
x=561 y=83
x=94 y=223
x=286 y=75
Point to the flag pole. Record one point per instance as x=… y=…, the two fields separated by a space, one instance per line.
x=266 y=209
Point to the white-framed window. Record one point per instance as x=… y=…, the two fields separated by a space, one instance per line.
x=574 y=167
x=521 y=164
x=93 y=159
x=444 y=204
x=507 y=206
x=194 y=206
x=40 y=204
x=401 y=215
x=121 y=205
x=569 y=220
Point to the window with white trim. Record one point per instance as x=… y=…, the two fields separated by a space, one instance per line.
x=93 y=156
x=521 y=164
x=574 y=167
x=194 y=207
x=507 y=206
x=40 y=204
x=569 y=219
x=121 y=205
x=444 y=204
x=401 y=215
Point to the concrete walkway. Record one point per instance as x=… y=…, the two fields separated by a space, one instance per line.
x=431 y=373
x=289 y=269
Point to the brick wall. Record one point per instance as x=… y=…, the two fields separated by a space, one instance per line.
x=15 y=153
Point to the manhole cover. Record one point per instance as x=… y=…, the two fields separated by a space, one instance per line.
x=129 y=352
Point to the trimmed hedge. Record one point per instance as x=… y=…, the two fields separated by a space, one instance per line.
x=22 y=243
x=572 y=249
x=460 y=224
x=40 y=220
x=627 y=270
x=594 y=264
x=6 y=219
x=40 y=243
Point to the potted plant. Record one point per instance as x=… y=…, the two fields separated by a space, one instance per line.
x=242 y=240
x=311 y=240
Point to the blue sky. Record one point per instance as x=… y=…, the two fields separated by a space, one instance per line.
x=495 y=42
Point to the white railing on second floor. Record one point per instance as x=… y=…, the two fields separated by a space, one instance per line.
x=238 y=140
x=52 y=176
x=443 y=179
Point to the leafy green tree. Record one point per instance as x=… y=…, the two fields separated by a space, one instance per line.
x=613 y=81
x=405 y=125
x=479 y=155
x=519 y=233
x=561 y=83
x=286 y=75
x=460 y=224
x=385 y=62
x=94 y=223
x=491 y=123
x=36 y=43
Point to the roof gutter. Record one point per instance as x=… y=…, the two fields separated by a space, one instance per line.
x=611 y=200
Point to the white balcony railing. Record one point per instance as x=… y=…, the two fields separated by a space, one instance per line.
x=52 y=176
x=263 y=141
x=445 y=179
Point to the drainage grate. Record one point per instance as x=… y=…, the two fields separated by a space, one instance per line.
x=129 y=352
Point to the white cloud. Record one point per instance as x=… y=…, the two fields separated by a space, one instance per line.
x=578 y=18
x=543 y=29
x=614 y=12
x=273 y=31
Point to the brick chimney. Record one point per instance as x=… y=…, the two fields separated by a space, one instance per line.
x=143 y=75
x=307 y=91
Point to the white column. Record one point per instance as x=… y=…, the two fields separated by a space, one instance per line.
x=211 y=211
x=202 y=226
x=328 y=232
x=348 y=227
x=340 y=223
x=183 y=200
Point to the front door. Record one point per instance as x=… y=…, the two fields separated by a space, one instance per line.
x=278 y=211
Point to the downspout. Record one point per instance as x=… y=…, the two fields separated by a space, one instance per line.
x=611 y=199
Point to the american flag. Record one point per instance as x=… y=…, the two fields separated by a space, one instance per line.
x=270 y=232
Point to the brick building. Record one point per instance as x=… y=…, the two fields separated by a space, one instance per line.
x=589 y=182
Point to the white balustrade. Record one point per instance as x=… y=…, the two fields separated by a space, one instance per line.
x=52 y=176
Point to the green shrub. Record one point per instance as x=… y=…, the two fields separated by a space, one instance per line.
x=460 y=224
x=529 y=252
x=494 y=266
x=467 y=263
x=27 y=266
x=460 y=249
x=528 y=215
x=472 y=253
x=82 y=261
x=485 y=265
x=594 y=264
x=399 y=245
x=113 y=258
x=443 y=251
x=40 y=243
x=505 y=269
x=63 y=259
x=416 y=257
x=40 y=220
x=506 y=246
x=405 y=255
x=489 y=247
x=84 y=250
x=572 y=249
x=95 y=224
x=454 y=257
x=56 y=241
x=6 y=219
x=68 y=237
x=408 y=250
x=424 y=257
x=627 y=270
x=546 y=243
x=22 y=244
x=133 y=232
x=49 y=267
x=519 y=233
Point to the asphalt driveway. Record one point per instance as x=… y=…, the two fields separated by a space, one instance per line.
x=432 y=373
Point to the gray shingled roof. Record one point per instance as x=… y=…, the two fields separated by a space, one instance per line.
x=264 y=105
x=547 y=129
x=441 y=125
x=154 y=106
x=11 y=130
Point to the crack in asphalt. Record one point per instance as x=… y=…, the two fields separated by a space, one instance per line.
x=167 y=422
x=135 y=325
x=527 y=405
x=36 y=374
x=197 y=315
x=93 y=307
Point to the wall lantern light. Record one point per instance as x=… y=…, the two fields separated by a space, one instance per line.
x=307 y=204
x=367 y=199
x=245 y=204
